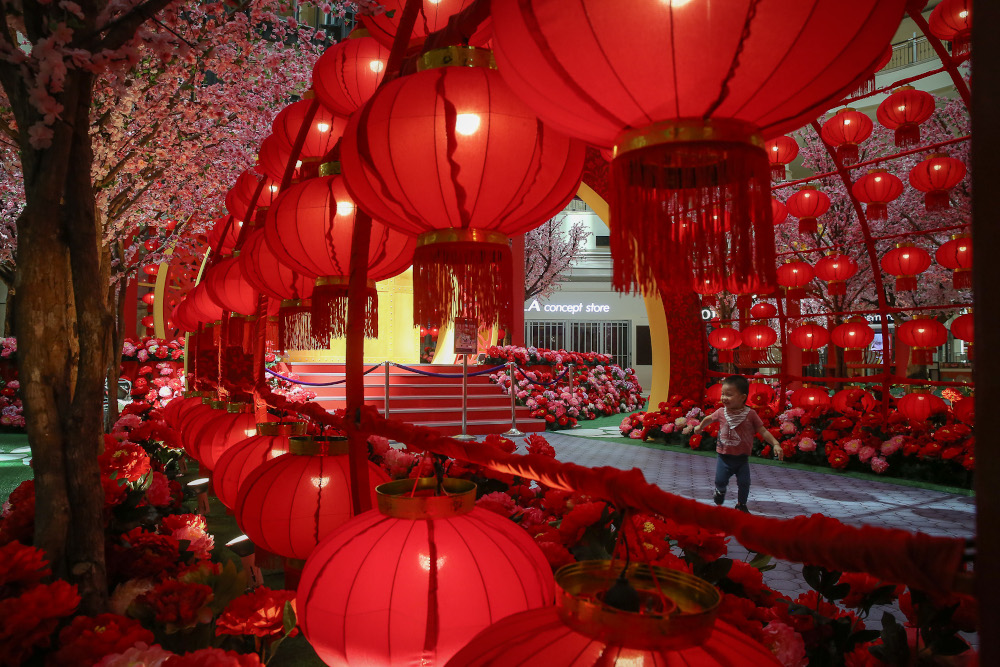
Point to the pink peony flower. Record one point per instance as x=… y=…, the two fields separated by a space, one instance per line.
x=807 y=445
x=891 y=446
x=158 y=493
x=786 y=644
x=866 y=453
x=498 y=502
x=879 y=464
x=139 y=655
x=852 y=446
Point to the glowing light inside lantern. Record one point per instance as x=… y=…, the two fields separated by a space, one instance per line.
x=323 y=127
x=964 y=13
x=467 y=123
x=878 y=179
x=319 y=482
x=425 y=561
x=345 y=208
x=274 y=188
x=298 y=163
x=376 y=66
x=937 y=167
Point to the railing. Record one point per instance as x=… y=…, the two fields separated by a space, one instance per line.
x=910 y=52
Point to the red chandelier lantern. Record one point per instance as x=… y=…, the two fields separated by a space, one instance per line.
x=854 y=336
x=906 y=261
x=808 y=204
x=686 y=142
x=433 y=16
x=452 y=155
x=708 y=286
x=810 y=337
x=457 y=568
x=758 y=337
x=778 y=211
x=290 y=503
x=809 y=397
x=924 y=335
x=780 y=151
x=272 y=159
x=794 y=277
x=852 y=400
x=919 y=405
x=935 y=176
x=963 y=328
x=876 y=189
x=956 y=255
x=725 y=340
x=763 y=310
x=581 y=629
x=951 y=21
x=903 y=111
x=310 y=230
x=845 y=130
x=835 y=269
x=239 y=461
x=349 y=72
x=325 y=130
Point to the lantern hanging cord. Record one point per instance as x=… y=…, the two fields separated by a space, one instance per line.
x=319 y=384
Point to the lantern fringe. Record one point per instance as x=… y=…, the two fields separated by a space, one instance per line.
x=866 y=87
x=808 y=226
x=240 y=331
x=961 y=45
x=777 y=172
x=462 y=279
x=906 y=283
x=702 y=182
x=877 y=211
x=329 y=312
x=271 y=333
x=836 y=288
x=848 y=153
x=937 y=200
x=725 y=356
x=295 y=329
x=968 y=352
x=795 y=293
x=907 y=134
x=961 y=279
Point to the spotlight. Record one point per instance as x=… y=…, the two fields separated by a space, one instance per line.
x=244 y=548
x=200 y=488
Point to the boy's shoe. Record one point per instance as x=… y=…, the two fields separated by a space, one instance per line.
x=742 y=508
x=719 y=497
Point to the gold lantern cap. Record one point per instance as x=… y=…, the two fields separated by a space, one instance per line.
x=419 y=499
x=456 y=56
x=308 y=445
x=281 y=428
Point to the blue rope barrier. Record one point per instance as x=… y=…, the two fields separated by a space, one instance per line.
x=317 y=384
x=447 y=375
x=544 y=384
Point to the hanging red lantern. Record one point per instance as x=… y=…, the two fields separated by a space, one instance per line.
x=963 y=328
x=809 y=397
x=434 y=15
x=845 y=130
x=758 y=337
x=854 y=336
x=148 y=298
x=713 y=395
x=228 y=288
x=725 y=340
x=239 y=198
x=935 y=176
x=852 y=400
x=778 y=211
x=239 y=461
x=956 y=255
x=272 y=159
x=151 y=245
x=836 y=269
x=310 y=229
x=708 y=286
x=869 y=84
x=924 y=335
x=951 y=21
x=780 y=151
x=147 y=321
x=808 y=204
x=219 y=435
x=151 y=269
x=228 y=225
x=763 y=310
x=193 y=428
x=181 y=317
x=906 y=261
x=965 y=410
x=903 y=111
x=810 y=337
x=444 y=552
x=325 y=130
x=794 y=277
x=499 y=172
x=920 y=405
x=349 y=72
x=203 y=308
x=876 y=189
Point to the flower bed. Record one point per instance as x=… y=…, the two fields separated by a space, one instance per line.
x=147 y=348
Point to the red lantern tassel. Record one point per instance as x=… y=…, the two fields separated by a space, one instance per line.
x=795 y=293
x=777 y=172
x=848 y=153
x=937 y=200
x=271 y=333
x=808 y=226
x=922 y=356
x=877 y=212
x=329 y=309
x=836 y=288
x=961 y=279
x=853 y=356
x=906 y=283
x=865 y=87
x=810 y=357
x=295 y=329
x=709 y=300
x=907 y=134
x=468 y=277
x=725 y=356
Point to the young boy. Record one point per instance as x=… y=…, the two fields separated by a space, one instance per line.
x=738 y=424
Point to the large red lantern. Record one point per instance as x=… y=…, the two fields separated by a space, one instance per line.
x=688 y=129
x=203 y=308
x=920 y=405
x=779 y=212
x=230 y=227
x=809 y=397
x=845 y=130
x=725 y=340
x=956 y=255
x=758 y=337
x=433 y=16
x=963 y=328
x=452 y=155
x=199 y=422
x=349 y=72
x=237 y=462
x=273 y=157
x=903 y=111
x=239 y=198
x=290 y=503
x=454 y=570
x=794 y=277
x=810 y=337
x=951 y=21
x=222 y=433
x=763 y=310
x=935 y=176
x=906 y=261
x=227 y=287
x=311 y=228
x=780 y=151
x=924 y=335
x=808 y=204
x=325 y=130
x=836 y=269
x=854 y=336
x=876 y=189
x=852 y=400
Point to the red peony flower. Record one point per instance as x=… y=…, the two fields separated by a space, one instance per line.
x=752 y=581
x=21 y=567
x=498 y=502
x=178 y=605
x=28 y=621
x=158 y=493
x=838 y=458
x=539 y=445
x=503 y=444
x=19 y=522
x=694 y=441
x=213 y=657
x=126 y=460
x=556 y=554
x=740 y=613
x=143 y=555
x=259 y=613
x=87 y=639
x=578 y=520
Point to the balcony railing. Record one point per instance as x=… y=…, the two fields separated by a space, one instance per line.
x=910 y=52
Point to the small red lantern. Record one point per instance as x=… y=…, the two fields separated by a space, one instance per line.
x=239 y=198
x=151 y=269
x=203 y=308
x=708 y=286
x=713 y=394
x=239 y=461
x=925 y=335
x=920 y=405
x=854 y=336
x=325 y=130
x=845 y=130
x=836 y=269
x=148 y=298
x=876 y=189
x=951 y=21
x=758 y=337
x=793 y=277
x=935 y=176
x=808 y=204
x=202 y=422
x=228 y=225
x=963 y=328
x=763 y=310
x=956 y=255
x=851 y=400
x=903 y=111
x=810 y=337
x=808 y=397
x=906 y=261
x=349 y=72
x=725 y=340
x=151 y=245
x=778 y=211
x=147 y=321
x=780 y=151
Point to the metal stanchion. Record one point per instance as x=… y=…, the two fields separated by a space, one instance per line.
x=513 y=432
x=571 y=390
x=385 y=412
x=465 y=399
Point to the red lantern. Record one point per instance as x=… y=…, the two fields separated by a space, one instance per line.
x=904 y=111
x=203 y=308
x=272 y=159
x=794 y=276
x=778 y=211
x=151 y=269
x=725 y=339
x=758 y=337
x=809 y=397
x=845 y=130
x=763 y=310
x=310 y=229
x=810 y=337
x=934 y=177
x=852 y=400
x=876 y=189
x=199 y=423
x=325 y=130
x=956 y=255
x=808 y=204
x=434 y=15
x=780 y=151
x=869 y=84
x=349 y=72
x=147 y=321
x=965 y=410
x=228 y=225
x=713 y=395
x=835 y=269
x=239 y=198
x=456 y=569
x=476 y=166
x=151 y=245
x=920 y=405
x=951 y=21
x=963 y=328
x=148 y=298
x=227 y=287
x=239 y=461
x=708 y=286
x=854 y=336
x=925 y=335
x=906 y=261
x=219 y=435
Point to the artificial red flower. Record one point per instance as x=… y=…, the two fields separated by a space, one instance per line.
x=503 y=444
x=158 y=493
x=28 y=620
x=178 y=605
x=539 y=445
x=213 y=657
x=555 y=553
x=861 y=585
x=126 y=460
x=114 y=491
x=838 y=458
x=259 y=613
x=694 y=441
x=498 y=502
x=752 y=581
x=87 y=639
x=19 y=522
x=579 y=519
x=142 y=555
x=708 y=544
x=21 y=566
x=742 y=614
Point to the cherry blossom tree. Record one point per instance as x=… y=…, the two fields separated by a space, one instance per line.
x=549 y=251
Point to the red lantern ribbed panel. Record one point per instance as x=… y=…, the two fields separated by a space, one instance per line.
x=935 y=176
x=758 y=337
x=215 y=238
x=951 y=21
x=835 y=269
x=808 y=397
x=238 y=199
x=779 y=212
x=348 y=73
x=925 y=335
x=876 y=189
x=845 y=130
x=237 y=462
x=194 y=430
x=273 y=157
x=433 y=16
x=808 y=204
x=203 y=308
x=227 y=287
x=854 y=336
x=963 y=328
x=725 y=339
x=451 y=154
x=921 y=405
x=794 y=277
x=763 y=310
x=223 y=434
x=906 y=261
x=853 y=400
x=956 y=255
x=186 y=422
x=181 y=316
x=903 y=111
x=780 y=151
x=810 y=337
x=324 y=132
